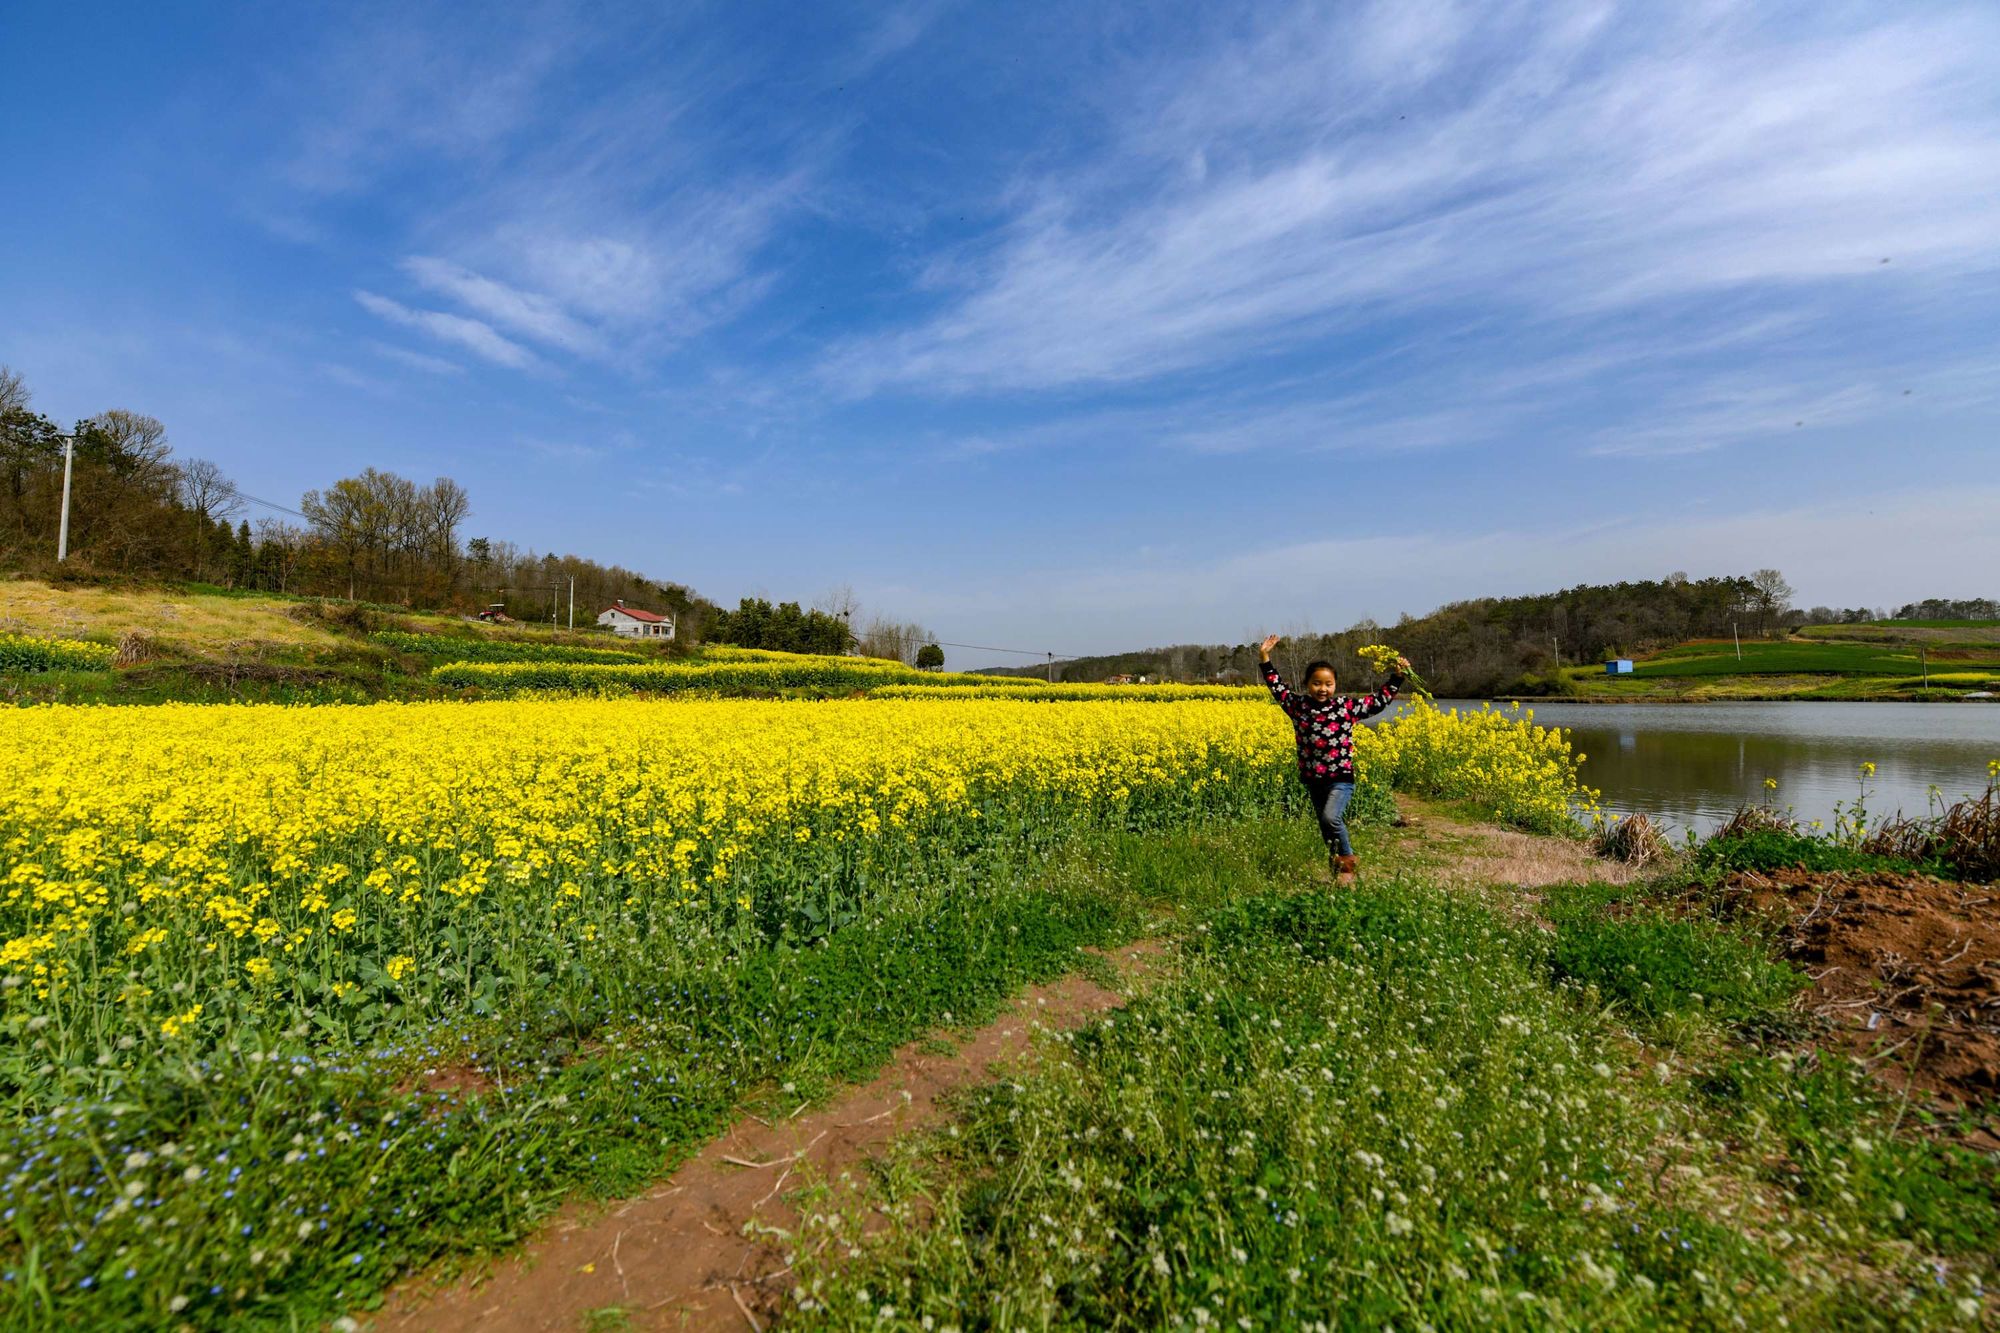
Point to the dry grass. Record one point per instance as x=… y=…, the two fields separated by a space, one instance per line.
x=199 y=624
x=1636 y=841
x=1464 y=853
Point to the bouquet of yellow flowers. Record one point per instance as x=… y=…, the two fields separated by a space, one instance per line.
x=1387 y=660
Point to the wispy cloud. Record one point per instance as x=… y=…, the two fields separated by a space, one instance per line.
x=526 y=313
x=596 y=186
x=424 y=361
x=1525 y=158
x=471 y=334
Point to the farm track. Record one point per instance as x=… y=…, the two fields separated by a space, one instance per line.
x=686 y=1255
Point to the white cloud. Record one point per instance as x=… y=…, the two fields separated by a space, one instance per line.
x=1526 y=159
x=525 y=313
x=474 y=336
x=424 y=361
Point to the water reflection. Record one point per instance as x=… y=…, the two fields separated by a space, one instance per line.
x=1694 y=764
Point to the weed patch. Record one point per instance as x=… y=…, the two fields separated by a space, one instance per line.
x=1657 y=961
x=1353 y=1111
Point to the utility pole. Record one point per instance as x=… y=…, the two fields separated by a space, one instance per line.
x=572 y=604
x=62 y=531
x=1739 y=640
x=1052 y=668
x=1924 y=655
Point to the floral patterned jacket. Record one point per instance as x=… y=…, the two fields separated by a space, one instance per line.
x=1326 y=731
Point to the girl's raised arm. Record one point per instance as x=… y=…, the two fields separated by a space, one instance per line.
x=1272 y=680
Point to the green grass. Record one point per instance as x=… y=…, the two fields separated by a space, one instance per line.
x=1657 y=962
x=1940 y=624
x=1776 y=849
x=1401 y=1107
x=1762 y=658
x=473 y=647
x=1935 y=633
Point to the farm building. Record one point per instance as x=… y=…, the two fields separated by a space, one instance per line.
x=635 y=622
x=1618 y=666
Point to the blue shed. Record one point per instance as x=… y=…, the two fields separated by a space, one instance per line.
x=1618 y=666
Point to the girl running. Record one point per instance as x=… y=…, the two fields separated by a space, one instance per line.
x=1324 y=722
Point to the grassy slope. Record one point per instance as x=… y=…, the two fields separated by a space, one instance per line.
x=1825 y=662
x=212 y=646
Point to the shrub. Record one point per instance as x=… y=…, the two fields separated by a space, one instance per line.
x=826 y=675
x=1781 y=849
x=450 y=649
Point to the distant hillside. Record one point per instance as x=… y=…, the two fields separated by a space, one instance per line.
x=1492 y=645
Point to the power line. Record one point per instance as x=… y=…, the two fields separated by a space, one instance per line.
x=986 y=648
x=283 y=509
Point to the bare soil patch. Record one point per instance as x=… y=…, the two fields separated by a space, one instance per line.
x=1482 y=854
x=699 y=1251
x=1905 y=970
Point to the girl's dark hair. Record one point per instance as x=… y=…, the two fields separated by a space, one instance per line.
x=1315 y=666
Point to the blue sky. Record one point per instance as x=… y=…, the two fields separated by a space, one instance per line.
x=1069 y=327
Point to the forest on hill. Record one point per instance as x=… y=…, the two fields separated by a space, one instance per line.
x=138 y=511
x=1515 y=645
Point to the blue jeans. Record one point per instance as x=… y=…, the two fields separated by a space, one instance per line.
x=1330 y=800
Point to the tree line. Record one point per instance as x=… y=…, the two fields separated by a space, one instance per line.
x=1931 y=608
x=1494 y=645
x=138 y=511
x=826 y=627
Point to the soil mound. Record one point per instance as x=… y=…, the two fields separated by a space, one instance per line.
x=1905 y=969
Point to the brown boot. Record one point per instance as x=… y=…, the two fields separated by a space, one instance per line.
x=1344 y=868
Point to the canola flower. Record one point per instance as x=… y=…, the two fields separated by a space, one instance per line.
x=1081 y=692
x=155 y=854
x=263 y=860
x=21 y=652
x=1383 y=658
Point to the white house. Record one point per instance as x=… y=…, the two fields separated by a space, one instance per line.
x=630 y=620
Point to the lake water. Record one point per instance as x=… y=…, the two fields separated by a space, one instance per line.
x=1695 y=764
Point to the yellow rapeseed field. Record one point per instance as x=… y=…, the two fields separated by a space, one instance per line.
x=168 y=868
x=153 y=856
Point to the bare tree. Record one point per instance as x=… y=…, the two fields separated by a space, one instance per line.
x=443 y=506
x=895 y=640
x=205 y=491
x=14 y=395
x=1773 y=596
x=282 y=547
x=139 y=443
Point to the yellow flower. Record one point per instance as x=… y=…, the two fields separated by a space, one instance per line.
x=259 y=969
x=179 y=1023
x=399 y=967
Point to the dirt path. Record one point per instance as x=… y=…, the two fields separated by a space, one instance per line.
x=1459 y=852
x=677 y=1257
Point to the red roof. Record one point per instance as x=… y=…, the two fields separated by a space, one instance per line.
x=637 y=614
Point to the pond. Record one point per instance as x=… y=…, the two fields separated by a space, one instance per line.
x=1695 y=764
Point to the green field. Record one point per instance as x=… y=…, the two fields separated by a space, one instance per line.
x=1766 y=659
x=1880 y=666
x=1931 y=633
